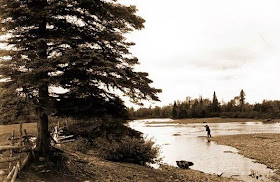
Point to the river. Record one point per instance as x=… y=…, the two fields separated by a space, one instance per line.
x=188 y=142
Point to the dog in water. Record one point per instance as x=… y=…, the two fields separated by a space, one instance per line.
x=184 y=164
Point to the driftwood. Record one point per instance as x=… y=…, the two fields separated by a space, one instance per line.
x=10 y=174
x=65 y=137
x=9 y=159
x=58 y=136
x=7 y=147
x=15 y=173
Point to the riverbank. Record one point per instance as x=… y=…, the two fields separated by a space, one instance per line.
x=263 y=148
x=209 y=120
x=88 y=167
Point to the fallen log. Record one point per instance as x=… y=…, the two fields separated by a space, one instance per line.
x=8 y=147
x=15 y=173
x=61 y=139
x=10 y=174
x=25 y=160
x=9 y=159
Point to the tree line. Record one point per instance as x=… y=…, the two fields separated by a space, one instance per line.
x=203 y=107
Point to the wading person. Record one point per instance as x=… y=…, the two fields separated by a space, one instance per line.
x=208 y=131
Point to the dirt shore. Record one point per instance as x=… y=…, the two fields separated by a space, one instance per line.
x=85 y=167
x=264 y=148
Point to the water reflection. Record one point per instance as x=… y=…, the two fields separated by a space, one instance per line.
x=188 y=142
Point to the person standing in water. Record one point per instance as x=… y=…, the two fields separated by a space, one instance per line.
x=208 y=131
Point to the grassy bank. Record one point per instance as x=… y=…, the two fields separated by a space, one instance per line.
x=263 y=148
x=88 y=167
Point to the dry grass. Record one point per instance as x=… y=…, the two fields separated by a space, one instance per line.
x=264 y=148
x=6 y=130
x=30 y=128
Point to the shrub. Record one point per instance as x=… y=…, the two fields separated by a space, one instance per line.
x=106 y=127
x=67 y=121
x=129 y=149
x=113 y=140
x=82 y=145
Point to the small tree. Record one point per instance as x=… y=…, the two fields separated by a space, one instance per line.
x=215 y=106
x=175 y=111
x=242 y=100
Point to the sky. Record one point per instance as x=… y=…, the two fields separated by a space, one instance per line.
x=195 y=47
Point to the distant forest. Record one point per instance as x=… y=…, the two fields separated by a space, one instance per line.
x=202 y=107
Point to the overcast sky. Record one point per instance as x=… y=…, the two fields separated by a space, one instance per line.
x=196 y=47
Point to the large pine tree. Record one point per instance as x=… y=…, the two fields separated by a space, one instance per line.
x=75 y=45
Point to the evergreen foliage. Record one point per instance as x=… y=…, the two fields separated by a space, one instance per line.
x=86 y=53
x=77 y=46
x=215 y=106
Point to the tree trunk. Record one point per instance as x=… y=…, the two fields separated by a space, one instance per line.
x=43 y=139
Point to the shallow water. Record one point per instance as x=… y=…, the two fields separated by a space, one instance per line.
x=188 y=142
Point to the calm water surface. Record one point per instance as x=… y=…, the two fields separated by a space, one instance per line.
x=188 y=142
